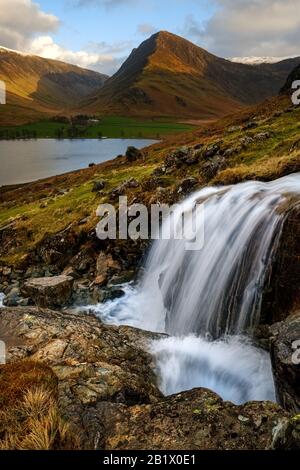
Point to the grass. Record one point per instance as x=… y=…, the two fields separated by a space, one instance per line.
x=29 y=414
x=37 y=210
x=112 y=127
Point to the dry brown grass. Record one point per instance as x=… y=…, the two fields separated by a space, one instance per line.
x=29 y=414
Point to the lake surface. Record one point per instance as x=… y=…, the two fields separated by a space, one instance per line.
x=23 y=161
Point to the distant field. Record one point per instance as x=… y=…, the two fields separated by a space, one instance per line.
x=113 y=127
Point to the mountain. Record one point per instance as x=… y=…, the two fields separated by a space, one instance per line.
x=253 y=60
x=38 y=87
x=170 y=76
x=294 y=75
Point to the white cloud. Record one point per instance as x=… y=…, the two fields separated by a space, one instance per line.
x=146 y=29
x=44 y=46
x=250 y=27
x=21 y=20
x=25 y=27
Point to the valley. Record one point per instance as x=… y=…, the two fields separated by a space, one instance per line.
x=127 y=344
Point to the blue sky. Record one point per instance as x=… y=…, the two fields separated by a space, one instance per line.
x=127 y=21
x=99 y=34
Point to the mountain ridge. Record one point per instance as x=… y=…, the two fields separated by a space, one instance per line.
x=169 y=75
x=38 y=87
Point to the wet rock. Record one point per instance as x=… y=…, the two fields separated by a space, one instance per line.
x=53 y=291
x=285 y=353
x=287 y=434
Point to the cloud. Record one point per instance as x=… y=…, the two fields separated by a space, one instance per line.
x=146 y=29
x=20 y=20
x=25 y=27
x=106 y=3
x=45 y=46
x=249 y=27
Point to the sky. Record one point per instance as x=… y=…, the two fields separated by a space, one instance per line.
x=100 y=34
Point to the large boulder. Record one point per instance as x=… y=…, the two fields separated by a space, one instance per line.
x=198 y=419
x=51 y=292
x=285 y=353
x=107 y=388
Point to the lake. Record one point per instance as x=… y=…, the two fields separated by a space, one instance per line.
x=22 y=161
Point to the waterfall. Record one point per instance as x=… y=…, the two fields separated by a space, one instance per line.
x=208 y=299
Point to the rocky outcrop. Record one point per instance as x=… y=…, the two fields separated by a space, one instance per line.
x=197 y=419
x=285 y=353
x=49 y=291
x=107 y=388
x=282 y=291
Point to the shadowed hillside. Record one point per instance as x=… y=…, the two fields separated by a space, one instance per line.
x=37 y=87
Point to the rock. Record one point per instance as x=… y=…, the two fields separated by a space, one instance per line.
x=53 y=291
x=177 y=158
x=98 y=186
x=232 y=129
x=152 y=183
x=262 y=136
x=229 y=152
x=250 y=125
x=245 y=141
x=198 y=146
x=94 y=363
x=285 y=354
x=123 y=278
x=107 y=389
x=131 y=183
x=187 y=185
x=133 y=154
x=106 y=266
x=197 y=419
x=91 y=165
x=211 y=151
x=287 y=434
x=210 y=169
x=12 y=298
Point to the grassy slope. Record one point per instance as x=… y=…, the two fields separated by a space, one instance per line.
x=115 y=127
x=42 y=207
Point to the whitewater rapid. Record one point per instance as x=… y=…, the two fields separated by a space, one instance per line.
x=208 y=300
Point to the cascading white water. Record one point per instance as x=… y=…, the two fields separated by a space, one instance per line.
x=2 y=297
x=215 y=292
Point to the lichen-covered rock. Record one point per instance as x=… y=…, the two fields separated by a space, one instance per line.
x=107 y=388
x=285 y=353
x=198 y=419
x=53 y=291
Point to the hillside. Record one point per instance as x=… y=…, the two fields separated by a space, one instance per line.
x=37 y=87
x=169 y=76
